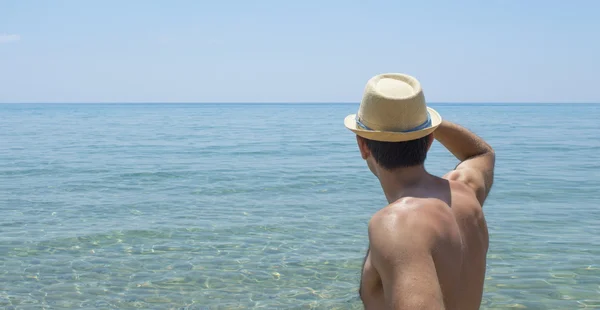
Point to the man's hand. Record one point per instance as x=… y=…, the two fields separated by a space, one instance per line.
x=478 y=159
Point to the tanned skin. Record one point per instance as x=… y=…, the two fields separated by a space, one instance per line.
x=428 y=247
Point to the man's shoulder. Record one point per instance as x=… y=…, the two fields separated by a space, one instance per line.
x=462 y=192
x=421 y=222
x=471 y=180
x=411 y=211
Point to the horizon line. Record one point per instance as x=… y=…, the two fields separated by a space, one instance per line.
x=296 y=102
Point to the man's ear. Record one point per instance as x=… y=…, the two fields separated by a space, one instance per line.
x=430 y=139
x=362 y=146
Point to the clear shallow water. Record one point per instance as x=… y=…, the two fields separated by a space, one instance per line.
x=266 y=206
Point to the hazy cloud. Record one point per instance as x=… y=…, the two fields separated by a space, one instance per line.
x=7 y=38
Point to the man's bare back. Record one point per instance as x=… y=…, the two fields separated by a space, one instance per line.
x=444 y=239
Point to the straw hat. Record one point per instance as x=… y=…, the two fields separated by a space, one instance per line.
x=393 y=109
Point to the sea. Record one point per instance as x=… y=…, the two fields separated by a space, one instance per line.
x=265 y=206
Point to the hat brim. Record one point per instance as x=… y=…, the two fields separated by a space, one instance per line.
x=391 y=136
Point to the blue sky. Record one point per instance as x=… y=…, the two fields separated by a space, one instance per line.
x=297 y=51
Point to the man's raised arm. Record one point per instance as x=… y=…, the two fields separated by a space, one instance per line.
x=477 y=158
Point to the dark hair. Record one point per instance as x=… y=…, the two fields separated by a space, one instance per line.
x=392 y=155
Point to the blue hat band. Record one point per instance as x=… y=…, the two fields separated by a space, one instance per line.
x=426 y=124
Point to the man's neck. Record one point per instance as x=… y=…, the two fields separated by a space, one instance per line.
x=398 y=183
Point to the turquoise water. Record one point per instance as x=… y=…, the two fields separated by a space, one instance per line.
x=266 y=206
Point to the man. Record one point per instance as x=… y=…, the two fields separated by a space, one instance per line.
x=427 y=248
